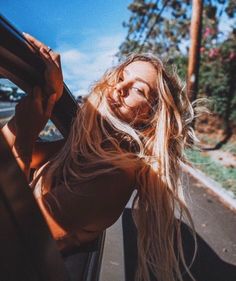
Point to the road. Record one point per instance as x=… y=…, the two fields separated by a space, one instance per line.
x=214 y=222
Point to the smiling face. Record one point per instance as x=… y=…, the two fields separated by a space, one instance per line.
x=132 y=97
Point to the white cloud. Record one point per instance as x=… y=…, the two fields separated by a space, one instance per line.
x=82 y=67
x=226 y=26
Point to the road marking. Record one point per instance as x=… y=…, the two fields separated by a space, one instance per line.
x=7 y=109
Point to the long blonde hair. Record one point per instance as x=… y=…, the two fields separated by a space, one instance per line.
x=156 y=150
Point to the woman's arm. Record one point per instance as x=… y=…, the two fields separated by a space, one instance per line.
x=42 y=152
x=33 y=112
x=31 y=116
x=8 y=131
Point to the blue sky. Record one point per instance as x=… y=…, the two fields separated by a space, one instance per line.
x=87 y=33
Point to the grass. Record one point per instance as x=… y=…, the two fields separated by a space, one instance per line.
x=226 y=176
x=230 y=147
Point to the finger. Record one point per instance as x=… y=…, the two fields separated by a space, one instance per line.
x=56 y=58
x=22 y=104
x=38 y=97
x=41 y=46
x=23 y=100
x=50 y=57
x=50 y=104
x=45 y=55
x=38 y=44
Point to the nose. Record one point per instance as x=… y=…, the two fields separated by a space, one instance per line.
x=122 y=90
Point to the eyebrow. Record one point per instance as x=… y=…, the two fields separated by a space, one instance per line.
x=136 y=78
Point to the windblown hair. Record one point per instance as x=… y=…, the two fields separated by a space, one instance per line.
x=155 y=150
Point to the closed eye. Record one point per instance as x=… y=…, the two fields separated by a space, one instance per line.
x=120 y=79
x=139 y=91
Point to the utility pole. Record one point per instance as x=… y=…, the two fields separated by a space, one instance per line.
x=194 y=51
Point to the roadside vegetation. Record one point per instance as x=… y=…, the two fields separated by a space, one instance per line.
x=162 y=27
x=218 y=164
x=225 y=175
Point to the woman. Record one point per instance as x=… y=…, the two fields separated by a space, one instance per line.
x=128 y=135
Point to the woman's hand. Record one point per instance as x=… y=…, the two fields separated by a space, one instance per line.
x=53 y=73
x=32 y=114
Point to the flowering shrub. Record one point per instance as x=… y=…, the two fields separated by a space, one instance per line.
x=208 y=32
x=217 y=73
x=213 y=53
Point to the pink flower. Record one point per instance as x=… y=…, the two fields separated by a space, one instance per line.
x=208 y=32
x=232 y=56
x=213 y=53
x=202 y=49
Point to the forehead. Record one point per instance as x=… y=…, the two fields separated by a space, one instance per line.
x=142 y=69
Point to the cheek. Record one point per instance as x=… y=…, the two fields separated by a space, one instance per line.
x=134 y=108
x=134 y=102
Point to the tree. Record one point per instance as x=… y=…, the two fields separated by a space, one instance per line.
x=162 y=27
x=158 y=26
x=217 y=78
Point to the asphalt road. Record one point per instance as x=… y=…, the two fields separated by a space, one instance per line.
x=215 y=224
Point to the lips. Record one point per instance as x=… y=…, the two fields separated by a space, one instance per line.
x=114 y=103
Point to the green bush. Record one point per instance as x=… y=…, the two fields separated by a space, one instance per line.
x=226 y=176
x=217 y=74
